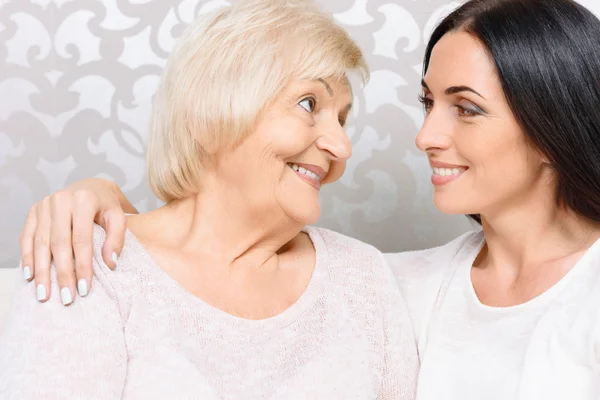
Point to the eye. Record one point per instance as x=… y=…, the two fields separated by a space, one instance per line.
x=465 y=112
x=308 y=104
x=470 y=110
x=427 y=103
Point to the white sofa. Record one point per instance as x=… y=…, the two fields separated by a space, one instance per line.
x=7 y=282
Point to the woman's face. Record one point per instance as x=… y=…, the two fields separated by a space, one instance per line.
x=299 y=144
x=480 y=159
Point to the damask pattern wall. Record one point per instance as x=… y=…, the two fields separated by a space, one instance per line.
x=76 y=84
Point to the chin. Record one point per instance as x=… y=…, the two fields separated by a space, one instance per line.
x=453 y=205
x=299 y=201
x=310 y=217
x=305 y=212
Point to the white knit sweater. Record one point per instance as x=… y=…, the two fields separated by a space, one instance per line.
x=139 y=335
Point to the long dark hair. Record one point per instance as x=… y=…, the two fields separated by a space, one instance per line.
x=547 y=56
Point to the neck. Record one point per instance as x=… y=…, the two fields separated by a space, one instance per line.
x=227 y=228
x=534 y=231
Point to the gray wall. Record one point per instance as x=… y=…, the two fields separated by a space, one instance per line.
x=76 y=80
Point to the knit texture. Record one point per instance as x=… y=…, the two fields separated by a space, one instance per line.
x=140 y=335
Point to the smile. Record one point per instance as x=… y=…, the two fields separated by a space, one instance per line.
x=311 y=174
x=442 y=176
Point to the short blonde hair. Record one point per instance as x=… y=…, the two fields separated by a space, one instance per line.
x=225 y=69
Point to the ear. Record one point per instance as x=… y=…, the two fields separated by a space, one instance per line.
x=544 y=159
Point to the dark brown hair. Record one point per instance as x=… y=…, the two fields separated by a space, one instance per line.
x=547 y=56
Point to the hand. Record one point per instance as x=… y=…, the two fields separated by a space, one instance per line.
x=60 y=227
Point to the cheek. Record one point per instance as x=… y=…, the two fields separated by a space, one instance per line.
x=289 y=138
x=489 y=147
x=505 y=165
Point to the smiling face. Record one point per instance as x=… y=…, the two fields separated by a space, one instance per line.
x=299 y=143
x=480 y=159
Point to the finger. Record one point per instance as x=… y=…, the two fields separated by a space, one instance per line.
x=83 y=228
x=114 y=223
x=61 y=246
x=41 y=251
x=26 y=242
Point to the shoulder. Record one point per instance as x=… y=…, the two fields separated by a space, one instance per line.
x=428 y=263
x=102 y=273
x=352 y=265
x=349 y=260
x=340 y=247
x=126 y=281
x=421 y=274
x=130 y=261
x=38 y=339
x=358 y=270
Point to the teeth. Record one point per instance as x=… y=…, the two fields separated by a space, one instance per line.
x=448 y=171
x=305 y=172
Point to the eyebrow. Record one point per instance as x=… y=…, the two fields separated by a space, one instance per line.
x=454 y=89
x=326 y=86
x=330 y=91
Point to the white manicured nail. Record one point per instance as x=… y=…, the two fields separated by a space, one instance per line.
x=65 y=295
x=114 y=257
x=27 y=273
x=82 y=287
x=40 y=292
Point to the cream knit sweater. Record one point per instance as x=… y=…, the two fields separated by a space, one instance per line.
x=139 y=335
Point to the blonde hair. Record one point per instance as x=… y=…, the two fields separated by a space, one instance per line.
x=225 y=69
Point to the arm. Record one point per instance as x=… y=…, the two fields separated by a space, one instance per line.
x=61 y=225
x=48 y=351
x=401 y=363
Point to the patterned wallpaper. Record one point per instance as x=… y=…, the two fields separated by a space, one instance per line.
x=77 y=77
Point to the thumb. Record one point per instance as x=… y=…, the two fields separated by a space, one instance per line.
x=115 y=224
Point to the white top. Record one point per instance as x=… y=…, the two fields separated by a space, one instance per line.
x=140 y=335
x=545 y=349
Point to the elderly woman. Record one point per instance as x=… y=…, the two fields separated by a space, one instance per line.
x=223 y=292
x=511 y=92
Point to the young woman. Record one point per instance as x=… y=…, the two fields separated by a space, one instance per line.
x=511 y=90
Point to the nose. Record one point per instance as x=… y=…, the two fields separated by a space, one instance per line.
x=335 y=142
x=434 y=133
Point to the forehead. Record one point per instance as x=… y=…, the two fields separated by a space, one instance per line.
x=341 y=87
x=335 y=88
x=460 y=59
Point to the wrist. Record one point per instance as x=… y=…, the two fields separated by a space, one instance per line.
x=126 y=206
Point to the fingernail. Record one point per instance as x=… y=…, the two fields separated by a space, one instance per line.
x=65 y=295
x=41 y=292
x=27 y=273
x=82 y=287
x=114 y=257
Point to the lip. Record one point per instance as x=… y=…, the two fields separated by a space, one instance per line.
x=438 y=180
x=315 y=169
x=320 y=172
x=439 y=164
